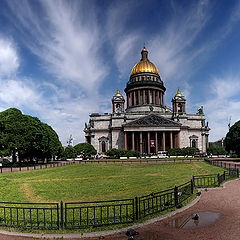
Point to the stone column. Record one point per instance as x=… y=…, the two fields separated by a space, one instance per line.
x=171 y=140
x=163 y=141
x=133 y=142
x=148 y=134
x=134 y=98
x=156 y=142
x=128 y=100
x=144 y=102
x=139 y=98
x=141 y=143
x=149 y=96
x=154 y=97
x=178 y=139
x=131 y=95
x=157 y=97
x=125 y=140
x=162 y=99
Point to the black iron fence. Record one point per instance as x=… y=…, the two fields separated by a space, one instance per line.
x=34 y=167
x=85 y=214
x=223 y=164
x=32 y=215
x=89 y=214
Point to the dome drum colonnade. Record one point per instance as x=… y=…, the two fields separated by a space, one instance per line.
x=145 y=88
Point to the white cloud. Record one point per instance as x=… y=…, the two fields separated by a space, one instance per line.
x=222 y=103
x=66 y=39
x=16 y=92
x=9 y=61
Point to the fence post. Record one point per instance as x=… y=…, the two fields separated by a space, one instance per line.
x=1 y=169
x=11 y=169
x=192 y=185
x=136 y=208
x=176 y=195
x=238 y=172
x=224 y=175
x=61 y=210
x=218 y=177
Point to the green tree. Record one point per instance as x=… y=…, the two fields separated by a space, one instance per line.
x=69 y=152
x=117 y=153
x=232 y=139
x=27 y=136
x=214 y=149
x=85 y=149
x=187 y=151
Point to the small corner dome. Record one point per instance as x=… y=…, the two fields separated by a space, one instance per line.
x=144 y=66
x=118 y=94
x=178 y=94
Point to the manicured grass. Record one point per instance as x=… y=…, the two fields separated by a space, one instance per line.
x=93 y=182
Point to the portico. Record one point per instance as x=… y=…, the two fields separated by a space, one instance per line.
x=151 y=134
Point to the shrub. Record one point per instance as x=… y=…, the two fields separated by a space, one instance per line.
x=117 y=153
x=188 y=151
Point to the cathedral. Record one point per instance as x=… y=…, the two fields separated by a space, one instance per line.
x=147 y=125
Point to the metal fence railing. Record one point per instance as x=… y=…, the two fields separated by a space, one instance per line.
x=85 y=214
x=33 y=215
x=156 y=202
x=34 y=167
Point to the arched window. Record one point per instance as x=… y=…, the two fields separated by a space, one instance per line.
x=179 y=107
x=194 y=143
x=103 y=146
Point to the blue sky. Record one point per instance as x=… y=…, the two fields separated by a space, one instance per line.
x=62 y=60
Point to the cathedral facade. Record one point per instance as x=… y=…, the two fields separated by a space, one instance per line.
x=147 y=125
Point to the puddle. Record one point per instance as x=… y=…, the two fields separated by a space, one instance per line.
x=187 y=221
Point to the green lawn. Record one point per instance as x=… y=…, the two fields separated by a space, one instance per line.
x=92 y=182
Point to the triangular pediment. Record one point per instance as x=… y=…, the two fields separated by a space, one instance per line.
x=152 y=120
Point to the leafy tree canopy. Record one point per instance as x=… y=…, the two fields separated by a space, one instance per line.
x=214 y=149
x=188 y=151
x=232 y=139
x=85 y=149
x=117 y=153
x=27 y=136
x=69 y=152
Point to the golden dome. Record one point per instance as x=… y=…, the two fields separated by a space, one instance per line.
x=118 y=94
x=144 y=65
x=178 y=94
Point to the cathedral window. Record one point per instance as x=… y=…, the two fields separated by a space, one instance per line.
x=194 y=143
x=103 y=146
x=180 y=109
